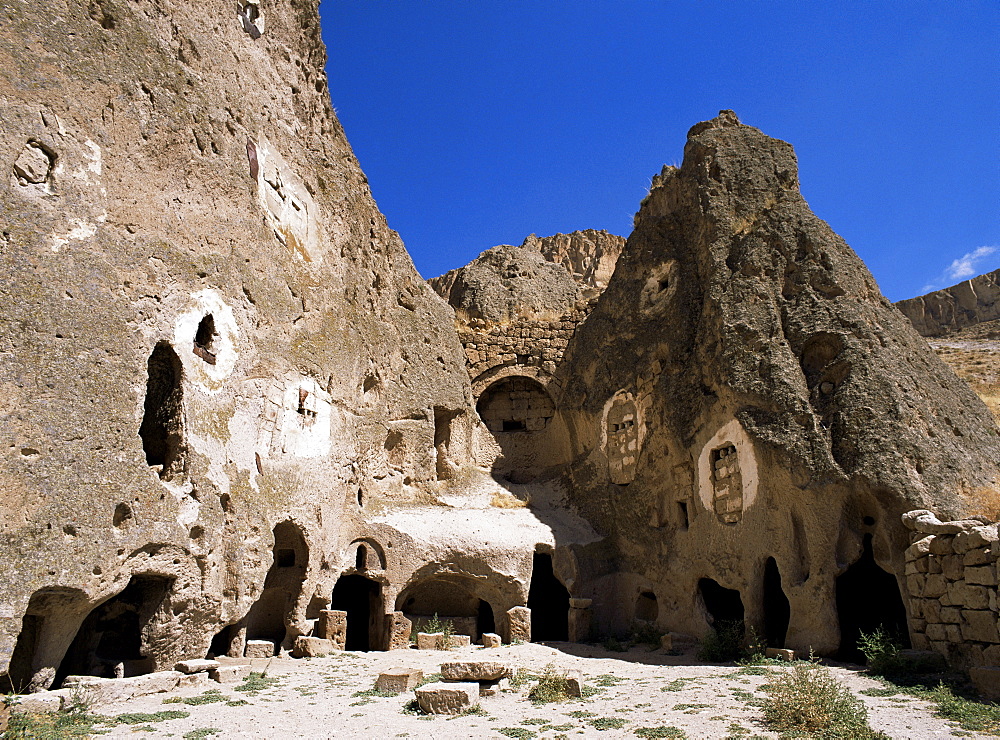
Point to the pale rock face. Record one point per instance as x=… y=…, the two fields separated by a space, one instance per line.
x=950 y=309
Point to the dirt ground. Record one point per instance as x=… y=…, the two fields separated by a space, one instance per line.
x=974 y=355
x=641 y=688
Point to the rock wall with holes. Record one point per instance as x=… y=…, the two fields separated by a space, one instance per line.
x=951 y=309
x=951 y=581
x=748 y=417
x=214 y=350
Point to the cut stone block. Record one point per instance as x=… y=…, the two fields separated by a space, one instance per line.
x=779 y=654
x=196 y=666
x=332 y=625
x=399 y=680
x=922 y=661
x=429 y=640
x=230 y=673
x=519 y=624
x=194 y=681
x=987 y=681
x=260 y=649
x=485 y=670
x=491 y=688
x=574 y=683
x=457 y=641
x=116 y=690
x=447 y=698
x=398 y=628
x=312 y=647
x=41 y=701
x=491 y=640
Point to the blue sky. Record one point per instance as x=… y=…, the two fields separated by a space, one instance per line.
x=479 y=123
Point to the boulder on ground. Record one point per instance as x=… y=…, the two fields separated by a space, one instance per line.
x=447 y=698
x=483 y=670
x=399 y=679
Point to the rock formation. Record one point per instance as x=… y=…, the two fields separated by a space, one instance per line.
x=235 y=421
x=749 y=417
x=951 y=309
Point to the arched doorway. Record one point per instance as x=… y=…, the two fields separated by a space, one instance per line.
x=517 y=410
x=868 y=598
x=548 y=600
x=361 y=598
x=449 y=598
x=724 y=606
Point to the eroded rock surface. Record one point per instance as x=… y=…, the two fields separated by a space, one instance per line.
x=951 y=309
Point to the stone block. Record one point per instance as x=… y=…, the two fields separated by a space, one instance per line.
x=952 y=567
x=987 y=681
x=980 y=625
x=919 y=549
x=429 y=640
x=194 y=681
x=951 y=615
x=260 y=649
x=398 y=680
x=979 y=556
x=41 y=702
x=230 y=673
x=447 y=698
x=332 y=625
x=456 y=641
x=933 y=565
x=953 y=633
x=932 y=610
x=578 y=624
x=915 y=584
x=991 y=655
x=519 y=624
x=969 y=596
x=480 y=670
x=935 y=632
x=312 y=647
x=935 y=586
x=917 y=608
x=491 y=640
x=398 y=629
x=677 y=641
x=574 y=683
x=196 y=666
x=779 y=654
x=921 y=566
x=102 y=691
x=942 y=545
x=982 y=575
x=916 y=625
x=491 y=688
x=940 y=646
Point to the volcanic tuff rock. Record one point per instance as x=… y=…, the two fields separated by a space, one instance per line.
x=507 y=283
x=746 y=380
x=207 y=327
x=948 y=310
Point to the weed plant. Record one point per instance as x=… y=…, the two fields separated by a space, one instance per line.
x=724 y=643
x=552 y=686
x=808 y=700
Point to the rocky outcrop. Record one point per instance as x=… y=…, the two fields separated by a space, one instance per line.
x=951 y=309
x=217 y=359
x=749 y=416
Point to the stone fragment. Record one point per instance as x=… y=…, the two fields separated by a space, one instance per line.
x=951 y=615
x=398 y=629
x=101 y=691
x=398 y=680
x=919 y=549
x=260 y=649
x=922 y=661
x=447 y=698
x=915 y=584
x=41 y=701
x=779 y=654
x=491 y=640
x=491 y=688
x=574 y=683
x=952 y=567
x=987 y=681
x=332 y=625
x=33 y=164
x=979 y=556
x=456 y=641
x=922 y=520
x=519 y=624
x=230 y=673
x=936 y=632
x=483 y=670
x=935 y=586
x=942 y=545
x=983 y=575
x=196 y=666
x=194 y=680
x=312 y=647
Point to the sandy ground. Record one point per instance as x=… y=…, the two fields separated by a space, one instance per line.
x=315 y=698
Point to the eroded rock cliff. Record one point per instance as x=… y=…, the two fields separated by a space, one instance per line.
x=951 y=309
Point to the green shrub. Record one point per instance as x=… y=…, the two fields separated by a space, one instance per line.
x=724 y=643
x=809 y=700
x=552 y=686
x=881 y=653
x=612 y=645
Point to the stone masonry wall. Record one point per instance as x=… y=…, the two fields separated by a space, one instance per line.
x=951 y=578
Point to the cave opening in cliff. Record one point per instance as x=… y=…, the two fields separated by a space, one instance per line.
x=204 y=339
x=450 y=599
x=162 y=428
x=117 y=638
x=868 y=599
x=724 y=606
x=548 y=600
x=361 y=598
x=776 y=608
x=443 y=422
x=647 y=607
x=485 y=621
x=269 y=616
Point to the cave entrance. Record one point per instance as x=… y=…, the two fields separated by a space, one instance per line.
x=115 y=640
x=548 y=600
x=485 y=621
x=724 y=606
x=162 y=428
x=269 y=616
x=868 y=598
x=451 y=599
x=361 y=598
x=776 y=608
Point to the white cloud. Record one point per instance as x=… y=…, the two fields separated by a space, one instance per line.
x=967 y=265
